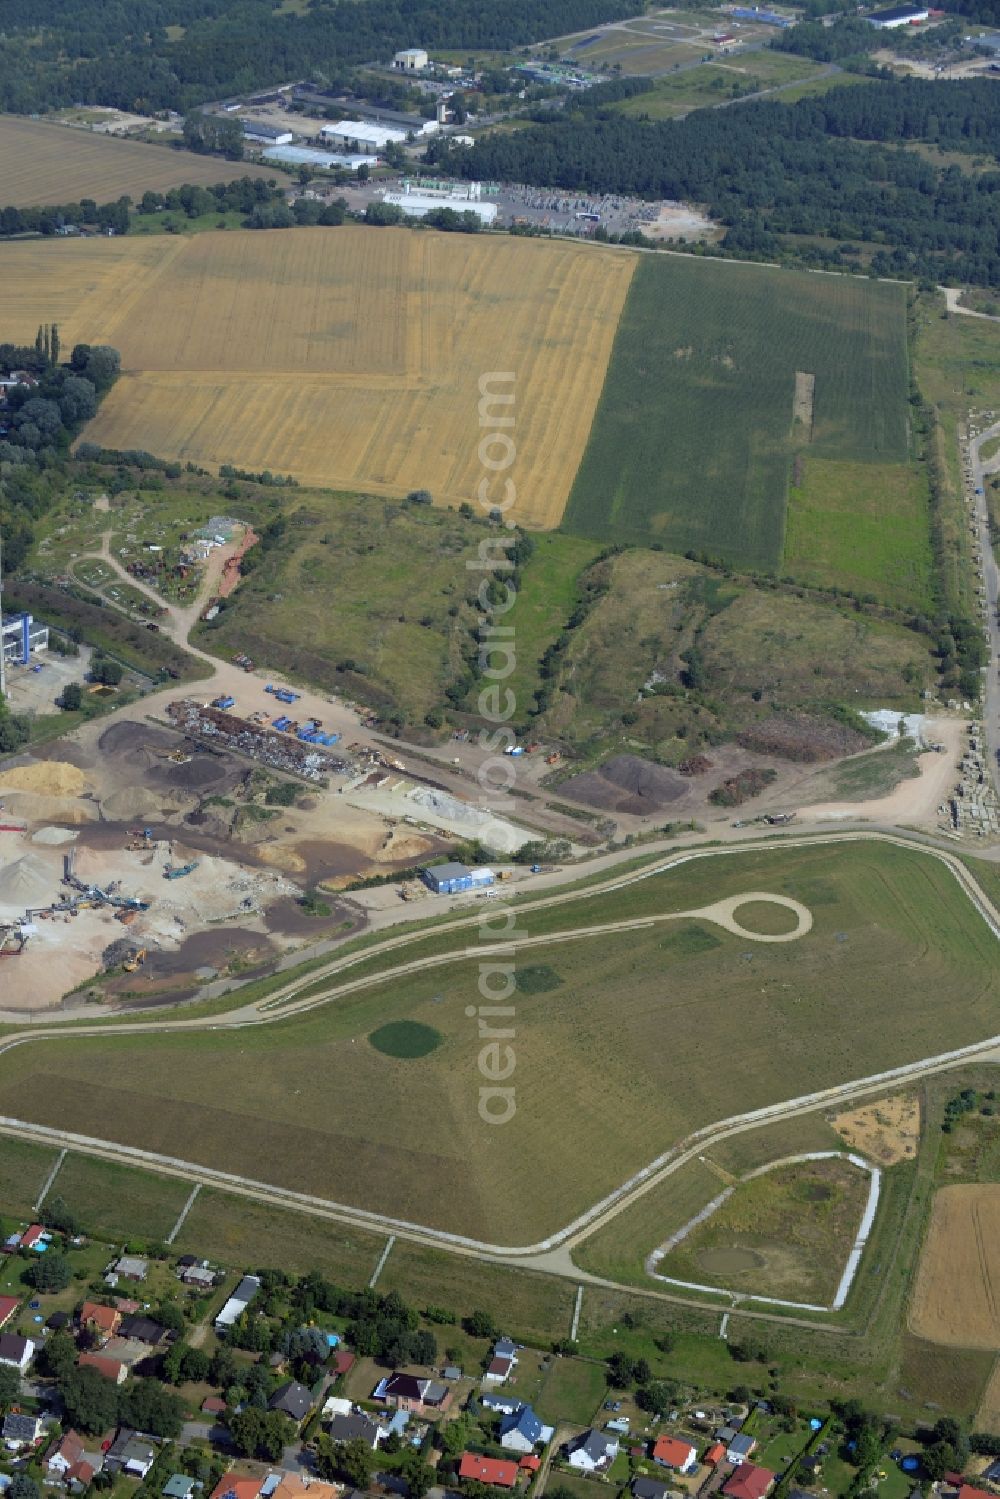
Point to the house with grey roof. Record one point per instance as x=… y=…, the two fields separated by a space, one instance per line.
x=593 y=1452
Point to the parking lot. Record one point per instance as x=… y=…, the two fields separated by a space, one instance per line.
x=34 y=688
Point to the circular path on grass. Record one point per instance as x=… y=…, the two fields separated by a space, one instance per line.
x=722 y=913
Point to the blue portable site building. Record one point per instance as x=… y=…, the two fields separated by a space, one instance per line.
x=450 y=879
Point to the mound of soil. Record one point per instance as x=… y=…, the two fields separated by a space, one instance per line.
x=738 y=788
x=628 y=784
x=802 y=737
x=125 y=738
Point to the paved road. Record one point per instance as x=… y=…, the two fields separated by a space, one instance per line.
x=991 y=578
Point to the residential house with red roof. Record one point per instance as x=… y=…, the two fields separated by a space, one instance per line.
x=235 y=1486
x=749 y=1482
x=671 y=1452
x=8 y=1306
x=111 y=1368
x=492 y=1470
x=102 y=1320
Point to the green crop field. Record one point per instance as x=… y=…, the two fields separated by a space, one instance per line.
x=862 y=526
x=694 y=434
x=307 y=1102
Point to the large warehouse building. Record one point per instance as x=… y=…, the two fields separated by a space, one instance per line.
x=308 y=156
x=450 y=879
x=410 y=60
x=419 y=205
x=897 y=15
x=361 y=137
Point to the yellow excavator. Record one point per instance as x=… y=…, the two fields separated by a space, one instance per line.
x=135 y=961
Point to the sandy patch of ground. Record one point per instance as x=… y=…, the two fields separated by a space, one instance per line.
x=912 y=801
x=956 y=1298
x=51 y=778
x=279 y=857
x=679 y=221
x=887 y=1131
x=28 y=807
x=802 y=402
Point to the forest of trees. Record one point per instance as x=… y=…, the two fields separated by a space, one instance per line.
x=119 y=52
x=833 y=166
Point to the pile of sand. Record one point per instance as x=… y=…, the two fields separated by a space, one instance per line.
x=27 y=882
x=51 y=778
x=128 y=803
x=54 y=837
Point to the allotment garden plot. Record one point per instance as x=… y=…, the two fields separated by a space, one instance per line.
x=624 y=1042
x=346 y=357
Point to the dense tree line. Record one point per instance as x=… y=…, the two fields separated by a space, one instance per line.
x=247 y=195
x=120 y=52
x=835 y=167
x=94 y=1404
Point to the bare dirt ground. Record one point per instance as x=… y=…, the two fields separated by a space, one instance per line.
x=680 y=221
x=885 y=1132
x=956 y=1298
x=912 y=802
x=802 y=403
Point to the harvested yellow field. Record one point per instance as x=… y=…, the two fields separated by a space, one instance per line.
x=956 y=1299
x=988 y=1415
x=42 y=163
x=350 y=357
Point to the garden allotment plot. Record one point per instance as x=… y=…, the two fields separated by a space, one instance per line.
x=702 y=411
x=346 y=357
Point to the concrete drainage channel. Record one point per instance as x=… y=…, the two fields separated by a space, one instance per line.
x=853 y=1259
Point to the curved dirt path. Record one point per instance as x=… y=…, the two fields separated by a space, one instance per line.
x=951 y=301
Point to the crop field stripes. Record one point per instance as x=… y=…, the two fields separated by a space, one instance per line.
x=348 y=358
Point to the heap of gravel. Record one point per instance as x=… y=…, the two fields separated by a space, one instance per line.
x=27 y=882
x=53 y=836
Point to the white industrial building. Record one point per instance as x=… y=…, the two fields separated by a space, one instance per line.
x=308 y=156
x=22 y=636
x=410 y=60
x=897 y=15
x=266 y=134
x=361 y=137
x=238 y=1302
x=419 y=205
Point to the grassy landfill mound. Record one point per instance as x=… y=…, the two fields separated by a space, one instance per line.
x=308 y=1102
x=694 y=435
